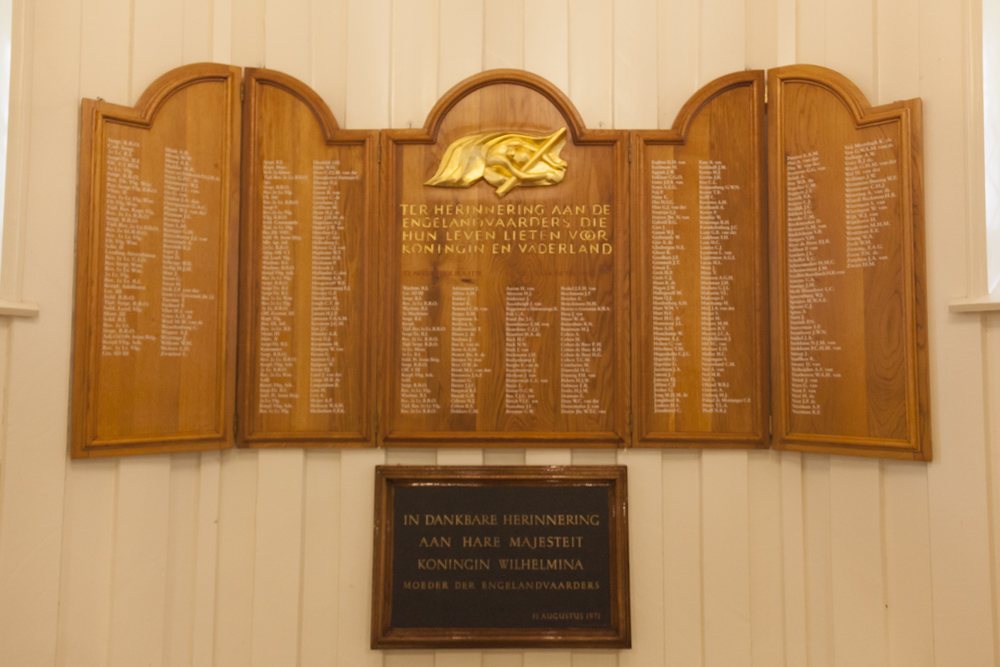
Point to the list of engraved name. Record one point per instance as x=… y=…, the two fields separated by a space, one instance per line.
x=137 y=236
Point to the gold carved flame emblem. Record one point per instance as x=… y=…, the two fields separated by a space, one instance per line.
x=505 y=159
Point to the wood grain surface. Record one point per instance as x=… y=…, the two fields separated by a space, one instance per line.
x=155 y=336
x=539 y=275
x=699 y=272
x=307 y=271
x=848 y=297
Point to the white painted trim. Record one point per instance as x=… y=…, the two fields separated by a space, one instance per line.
x=983 y=304
x=15 y=224
x=18 y=308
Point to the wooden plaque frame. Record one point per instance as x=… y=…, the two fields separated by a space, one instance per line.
x=388 y=479
x=909 y=333
x=364 y=264
x=87 y=368
x=753 y=350
x=523 y=85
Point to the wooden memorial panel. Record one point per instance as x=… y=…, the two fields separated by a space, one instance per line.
x=505 y=244
x=155 y=323
x=309 y=206
x=699 y=272
x=501 y=557
x=849 y=305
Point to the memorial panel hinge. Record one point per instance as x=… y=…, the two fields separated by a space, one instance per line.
x=770 y=425
x=243 y=91
x=630 y=152
x=379 y=153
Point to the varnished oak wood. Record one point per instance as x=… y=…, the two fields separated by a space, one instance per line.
x=135 y=397
x=597 y=173
x=388 y=478
x=722 y=124
x=867 y=322
x=286 y=122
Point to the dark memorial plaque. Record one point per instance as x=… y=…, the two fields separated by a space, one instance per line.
x=699 y=281
x=307 y=271
x=154 y=367
x=504 y=223
x=850 y=321
x=501 y=557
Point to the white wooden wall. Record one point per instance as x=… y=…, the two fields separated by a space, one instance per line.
x=264 y=559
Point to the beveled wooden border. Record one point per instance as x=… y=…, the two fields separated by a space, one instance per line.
x=641 y=258
x=249 y=221
x=907 y=114
x=389 y=273
x=94 y=114
x=384 y=636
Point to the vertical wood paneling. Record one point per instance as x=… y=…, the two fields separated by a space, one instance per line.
x=357 y=494
x=762 y=28
x=635 y=77
x=139 y=573
x=591 y=53
x=320 y=559
x=991 y=353
x=646 y=535
x=723 y=39
x=682 y=559
x=91 y=486
x=793 y=558
x=724 y=474
x=503 y=33
x=963 y=633
x=461 y=38
x=414 y=61
x=725 y=558
x=235 y=574
x=182 y=547
x=908 y=567
x=328 y=32
x=858 y=592
x=197 y=34
x=546 y=41
x=85 y=577
x=157 y=41
x=248 y=33
x=34 y=425
x=205 y=578
x=222 y=31
x=678 y=53
x=818 y=571
x=547 y=658
x=766 y=563
x=907 y=558
x=368 y=67
x=810 y=33
x=368 y=78
x=274 y=637
x=265 y=558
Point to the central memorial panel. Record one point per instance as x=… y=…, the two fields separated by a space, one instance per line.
x=505 y=237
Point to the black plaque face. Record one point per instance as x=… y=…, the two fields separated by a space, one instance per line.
x=508 y=557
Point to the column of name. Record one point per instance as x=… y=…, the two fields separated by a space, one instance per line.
x=466 y=352
x=668 y=217
x=716 y=258
x=127 y=222
x=578 y=310
x=419 y=342
x=808 y=283
x=869 y=174
x=183 y=212
x=522 y=325
x=328 y=288
x=279 y=236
